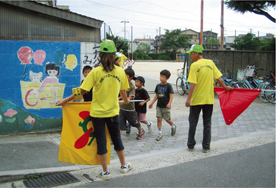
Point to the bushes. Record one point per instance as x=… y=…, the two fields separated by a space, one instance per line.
x=140 y=55
x=157 y=56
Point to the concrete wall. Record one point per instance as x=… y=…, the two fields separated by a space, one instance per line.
x=36 y=74
x=234 y=60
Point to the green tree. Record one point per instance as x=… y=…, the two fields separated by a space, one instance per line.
x=259 y=7
x=212 y=42
x=173 y=41
x=267 y=44
x=119 y=42
x=144 y=47
x=247 y=42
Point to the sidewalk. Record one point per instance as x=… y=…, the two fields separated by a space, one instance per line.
x=37 y=153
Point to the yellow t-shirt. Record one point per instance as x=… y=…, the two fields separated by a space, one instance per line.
x=122 y=60
x=106 y=88
x=202 y=73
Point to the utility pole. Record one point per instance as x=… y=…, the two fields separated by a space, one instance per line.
x=125 y=22
x=104 y=31
x=131 y=42
x=159 y=38
x=211 y=42
x=201 y=24
x=222 y=27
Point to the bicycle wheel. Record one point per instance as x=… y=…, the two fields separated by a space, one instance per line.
x=245 y=86
x=270 y=95
x=186 y=87
x=180 y=86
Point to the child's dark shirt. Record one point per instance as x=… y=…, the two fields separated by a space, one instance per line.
x=141 y=94
x=88 y=95
x=163 y=92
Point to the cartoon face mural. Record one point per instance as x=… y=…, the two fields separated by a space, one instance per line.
x=71 y=62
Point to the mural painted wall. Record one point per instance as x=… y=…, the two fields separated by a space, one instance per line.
x=36 y=74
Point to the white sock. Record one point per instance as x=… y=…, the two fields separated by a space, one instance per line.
x=148 y=123
x=173 y=125
x=160 y=131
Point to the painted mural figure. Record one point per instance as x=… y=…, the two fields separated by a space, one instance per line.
x=52 y=70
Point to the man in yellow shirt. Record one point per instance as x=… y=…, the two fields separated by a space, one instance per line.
x=123 y=58
x=201 y=95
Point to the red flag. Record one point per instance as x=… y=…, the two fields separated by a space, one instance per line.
x=233 y=103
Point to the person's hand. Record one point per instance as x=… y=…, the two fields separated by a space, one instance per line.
x=168 y=106
x=188 y=103
x=150 y=106
x=61 y=102
x=120 y=103
x=141 y=103
x=228 y=88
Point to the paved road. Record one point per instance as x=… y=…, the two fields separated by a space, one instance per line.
x=253 y=167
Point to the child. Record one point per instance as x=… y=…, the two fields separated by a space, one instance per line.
x=141 y=107
x=127 y=111
x=130 y=62
x=164 y=94
x=88 y=95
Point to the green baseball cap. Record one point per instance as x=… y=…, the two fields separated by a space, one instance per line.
x=195 y=48
x=108 y=46
x=121 y=50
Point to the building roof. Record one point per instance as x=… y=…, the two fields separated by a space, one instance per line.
x=56 y=12
x=144 y=39
x=189 y=30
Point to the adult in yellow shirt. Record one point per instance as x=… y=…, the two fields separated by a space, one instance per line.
x=123 y=58
x=201 y=95
x=107 y=80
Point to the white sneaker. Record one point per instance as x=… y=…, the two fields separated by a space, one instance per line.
x=105 y=175
x=126 y=168
x=173 y=130
x=159 y=137
x=150 y=127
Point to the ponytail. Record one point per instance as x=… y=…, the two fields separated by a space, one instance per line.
x=108 y=61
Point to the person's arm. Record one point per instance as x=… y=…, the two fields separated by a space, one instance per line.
x=67 y=99
x=222 y=84
x=123 y=95
x=188 y=101
x=170 y=102
x=144 y=102
x=153 y=101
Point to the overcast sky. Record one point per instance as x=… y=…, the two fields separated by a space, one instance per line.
x=146 y=16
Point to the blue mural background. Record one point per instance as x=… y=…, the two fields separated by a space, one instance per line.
x=12 y=72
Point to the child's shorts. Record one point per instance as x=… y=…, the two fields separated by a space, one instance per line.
x=141 y=116
x=164 y=113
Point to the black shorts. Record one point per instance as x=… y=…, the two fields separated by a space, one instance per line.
x=130 y=116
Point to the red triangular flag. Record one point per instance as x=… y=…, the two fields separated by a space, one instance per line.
x=233 y=103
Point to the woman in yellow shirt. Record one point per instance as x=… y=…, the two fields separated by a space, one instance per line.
x=107 y=80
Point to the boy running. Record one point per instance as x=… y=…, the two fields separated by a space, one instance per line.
x=164 y=94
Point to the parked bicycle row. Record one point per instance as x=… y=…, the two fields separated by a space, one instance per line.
x=247 y=78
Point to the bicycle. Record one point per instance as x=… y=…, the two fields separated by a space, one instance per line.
x=268 y=92
x=182 y=86
x=270 y=95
